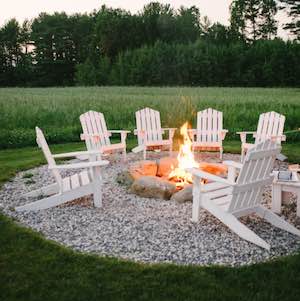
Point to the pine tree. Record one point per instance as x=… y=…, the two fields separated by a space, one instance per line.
x=268 y=27
x=254 y=19
x=292 y=9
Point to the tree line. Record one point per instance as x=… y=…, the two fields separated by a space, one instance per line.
x=156 y=46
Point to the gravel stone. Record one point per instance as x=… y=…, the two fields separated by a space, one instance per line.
x=146 y=229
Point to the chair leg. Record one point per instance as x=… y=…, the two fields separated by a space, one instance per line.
x=124 y=155
x=242 y=154
x=276 y=198
x=196 y=199
x=145 y=153
x=221 y=153
x=46 y=203
x=97 y=187
x=275 y=220
x=44 y=191
x=234 y=224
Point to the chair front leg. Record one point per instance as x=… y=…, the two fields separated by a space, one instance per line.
x=97 y=186
x=123 y=137
x=171 y=134
x=221 y=153
x=231 y=174
x=243 y=137
x=196 y=198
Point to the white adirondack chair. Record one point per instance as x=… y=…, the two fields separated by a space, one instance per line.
x=228 y=199
x=150 y=133
x=96 y=135
x=86 y=182
x=209 y=134
x=270 y=126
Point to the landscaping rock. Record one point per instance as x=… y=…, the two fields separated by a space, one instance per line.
x=153 y=187
x=143 y=168
x=184 y=195
x=125 y=178
x=166 y=165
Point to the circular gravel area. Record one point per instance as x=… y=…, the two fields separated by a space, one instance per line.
x=146 y=230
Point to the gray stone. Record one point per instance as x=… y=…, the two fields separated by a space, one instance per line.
x=153 y=187
x=143 y=168
x=184 y=195
x=125 y=178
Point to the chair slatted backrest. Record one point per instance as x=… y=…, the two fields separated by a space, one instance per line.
x=269 y=124
x=254 y=175
x=148 y=121
x=93 y=123
x=209 y=126
x=42 y=143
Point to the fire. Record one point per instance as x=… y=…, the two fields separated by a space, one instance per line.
x=185 y=160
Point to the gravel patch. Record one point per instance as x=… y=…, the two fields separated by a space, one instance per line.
x=146 y=230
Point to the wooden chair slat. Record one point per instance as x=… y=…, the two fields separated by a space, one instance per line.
x=149 y=131
x=209 y=132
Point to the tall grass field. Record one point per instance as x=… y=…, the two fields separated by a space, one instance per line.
x=57 y=110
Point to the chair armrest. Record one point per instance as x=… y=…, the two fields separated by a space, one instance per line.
x=93 y=136
x=243 y=135
x=223 y=134
x=169 y=129
x=205 y=175
x=192 y=133
x=171 y=132
x=281 y=137
x=247 y=133
x=232 y=169
x=75 y=154
x=139 y=132
x=233 y=164
x=79 y=165
x=123 y=134
x=119 y=131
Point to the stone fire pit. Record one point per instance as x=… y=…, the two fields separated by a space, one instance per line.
x=148 y=230
x=151 y=179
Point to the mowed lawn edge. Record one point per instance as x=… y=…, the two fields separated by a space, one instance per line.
x=33 y=268
x=19 y=159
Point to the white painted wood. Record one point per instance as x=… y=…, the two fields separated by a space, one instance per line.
x=149 y=131
x=279 y=188
x=97 y=136
x=270 y=126
x=242 y=197
x=68 y=188
x=275 y=220
x=209 y=133
x=47 y=190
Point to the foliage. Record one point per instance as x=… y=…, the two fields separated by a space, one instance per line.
x=292 y=9
x=265 y=63
x=98 y=48
x=254 y=19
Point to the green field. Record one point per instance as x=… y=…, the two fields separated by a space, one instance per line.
x=56 y=110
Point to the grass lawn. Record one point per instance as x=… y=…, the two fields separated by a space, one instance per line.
x=33 y=268
x=13 y=160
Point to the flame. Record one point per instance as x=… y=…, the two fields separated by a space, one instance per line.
x=185 y=160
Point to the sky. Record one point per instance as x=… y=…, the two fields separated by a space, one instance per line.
x=216 y=10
